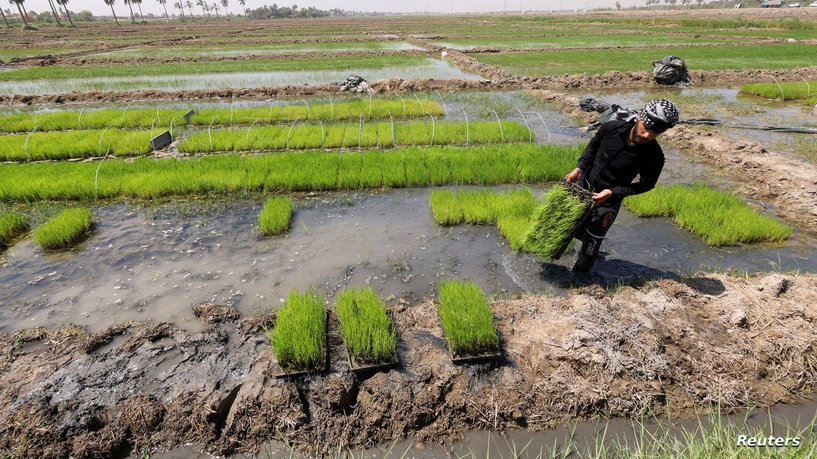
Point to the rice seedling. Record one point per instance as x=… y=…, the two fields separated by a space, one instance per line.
x=12 y=225
x=276 y=216
x=716 y=217
x=335 y=135
x=380 y=108
x=286 y=171
x=67 y=228
x=38 y=146
x=446 y=207
x=367 y=330
x=555 y=220
x=466 y=318
x=298 y=338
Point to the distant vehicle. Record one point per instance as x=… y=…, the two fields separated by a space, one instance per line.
x=813 y=4
x=768 y=4
x=794 y=5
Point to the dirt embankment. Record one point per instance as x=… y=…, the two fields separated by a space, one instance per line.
x=677 y=344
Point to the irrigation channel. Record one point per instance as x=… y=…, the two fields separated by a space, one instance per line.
x=152 y=264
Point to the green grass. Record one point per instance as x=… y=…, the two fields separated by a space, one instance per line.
x=367 y=330
x=554 y=221
x=600 y=61
x=718 y=218
x=12 y=225
x=64 y=230
x=39 y=146
x=298 y=336
x=116 y=70
x=466 y=318
x=276 y=216
x=803 y=90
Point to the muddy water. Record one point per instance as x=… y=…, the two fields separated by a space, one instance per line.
x=155 y=264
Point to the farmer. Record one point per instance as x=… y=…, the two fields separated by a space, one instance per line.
x=621 y=150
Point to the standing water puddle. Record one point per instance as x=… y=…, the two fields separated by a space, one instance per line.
x=156 y=267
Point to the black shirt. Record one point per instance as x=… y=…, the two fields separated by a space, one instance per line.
x=608 y=162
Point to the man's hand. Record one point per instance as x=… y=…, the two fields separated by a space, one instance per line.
x=602 y=196
x=574 y=175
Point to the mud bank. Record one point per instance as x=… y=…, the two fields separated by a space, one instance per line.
x=676 y=344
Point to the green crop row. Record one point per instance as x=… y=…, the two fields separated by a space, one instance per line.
x=288 y=171
x=40 y=146
x=166 y=118
x=358 y=135
x=466 y=318
x=716 y=217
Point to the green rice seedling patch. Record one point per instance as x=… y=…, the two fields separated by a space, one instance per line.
x=360 y=135
x=579 y=40
x=66 y=229
x=467 y=320
x=276 y=216
x=597 y=61
x=299 y=335
x=309 y=170
x=564 y=209
x=716 y=217
x=12 y=225
x=258 y=49
x=373 y=108
x=39 y=146
x=367 y=330
x=805 y=90
x=511 y=211
x=445 y=207
x=103 y=70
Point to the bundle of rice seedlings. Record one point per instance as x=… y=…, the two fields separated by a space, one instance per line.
x=554 y=222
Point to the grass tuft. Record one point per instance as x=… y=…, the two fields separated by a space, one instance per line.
x=466 y=318
x=276 y=216
x=367 y=330
x=298 y=337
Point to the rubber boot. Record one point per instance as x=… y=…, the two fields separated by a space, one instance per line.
x=588 y=253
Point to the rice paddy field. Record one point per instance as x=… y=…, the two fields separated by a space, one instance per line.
x=149 y=326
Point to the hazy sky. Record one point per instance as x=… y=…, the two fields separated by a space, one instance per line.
x=98 y=7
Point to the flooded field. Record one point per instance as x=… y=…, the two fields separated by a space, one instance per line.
x=149 y=338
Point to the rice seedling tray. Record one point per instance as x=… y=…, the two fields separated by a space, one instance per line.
x=284 y=372
x=363 y=367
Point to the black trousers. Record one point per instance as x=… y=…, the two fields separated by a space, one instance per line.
x=592 y=233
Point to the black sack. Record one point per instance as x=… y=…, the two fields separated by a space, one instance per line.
x=671 y=70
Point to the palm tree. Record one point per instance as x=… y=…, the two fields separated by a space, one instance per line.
x=54 y=12
x=243 y=3
x=110 y=3
x=128 y=2
x=179 y=6
x=215 y=7
x=64 y=5
x=23 y=14
x=164 y=4
x=224 y=3
x=5 y=19
x=139 y=4
x=203 y=7
x=189 y=7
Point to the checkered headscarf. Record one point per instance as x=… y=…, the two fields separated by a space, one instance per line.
x=659 y=115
